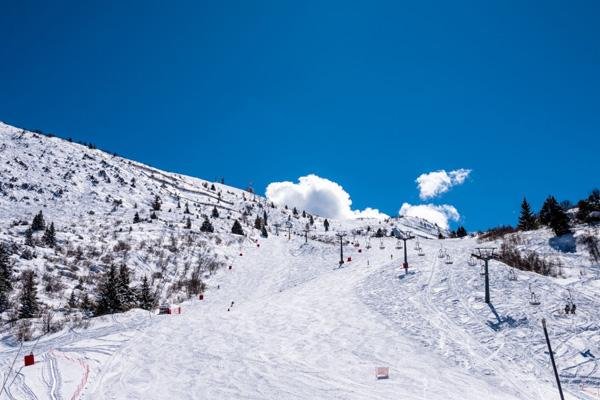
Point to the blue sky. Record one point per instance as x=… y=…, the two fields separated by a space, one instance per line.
x=367 y=94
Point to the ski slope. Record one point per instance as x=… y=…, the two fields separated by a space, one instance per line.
x=301 y=328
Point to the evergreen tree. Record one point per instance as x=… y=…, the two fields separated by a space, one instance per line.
x=38 y=223
x=237 y=228
x=215 y=212
x=295 y=211
x=461 y=231
x=28 y=297
x=146 y=299
x=311 y=220
x=263 y=232
x=178 y=204
x=527 y=220
x=258 y=223
x=126 y=293
x=156 y=203
x=548 y=209
x=108 y=293
x=212 y=187
x=206 y=226
x=29 y=238
x=188 y=223
x=5 y=278
x=136 y=218
x=265 y=217
x=153 y=215
x=379 y=233
x=187 y=209
x=86 y=305
x=326 y=225
x=72 y=303
x=49 y=237
x=303 y=214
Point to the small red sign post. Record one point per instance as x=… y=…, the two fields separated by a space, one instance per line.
x=29 y=360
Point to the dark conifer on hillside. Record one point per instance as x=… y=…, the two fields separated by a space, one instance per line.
x=5 y=278
x=127 y=296
x=72 y=302
x=38 y=223
x=547 y=210
x=265 y=217
x=29 y=238
x=588 y=210
x=263 y=232
x=187 y=209
x=136 y=218
x=156 y=203
x=303 y=214
x=461 y=231
x=188 y=223
x=258 y=223
x=326 y=225
x=146 y=298
x=527 y=220
x=295 y=211
x=206 y=226
x=311 y=220
x=153 y=215
x=237 y=228
x=49 y=237
x=29 y=306
x=215 y=212
x=107 y=300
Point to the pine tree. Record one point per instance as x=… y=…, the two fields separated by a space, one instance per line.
x=215 y=212
x=29 y=238
x=554 y=216
x=527 y=220
x=49 y=237
x=303 y=214
x=187 y=209
x=153 y=215
x=548 y=209
x=188 y=223
x=237 y=228
x=126 y=293
x=212 y=187
x=258 y=223
x=108 y=293
x=72 y=303
x=263 y=232
x=5 y=278
x=156 y=203
x=28 y=297
x=86 y=305
x=311 y=220
x=38 y=223
x=265 y=217
x=146 y=299
x=136 y=218
x=206 y=226
x=461 y=231
x=326 y=224
x=295 y=211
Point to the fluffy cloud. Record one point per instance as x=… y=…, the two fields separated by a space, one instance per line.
x=318 y=196
x=433 y=213
x=435 y=183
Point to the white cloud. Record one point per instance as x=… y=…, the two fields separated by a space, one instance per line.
x=436 y=214
x=318 y=196
x=435 y=183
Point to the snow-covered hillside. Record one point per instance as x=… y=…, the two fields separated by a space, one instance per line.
x=284 y=322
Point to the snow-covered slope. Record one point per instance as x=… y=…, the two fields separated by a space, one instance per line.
x=284 y=322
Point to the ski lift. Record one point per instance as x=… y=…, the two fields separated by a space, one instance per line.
x=441 y=253
x=381 y=246
x=534 y=299
x=417 y=244
x=421 y=253
x=482 y=270
x=399 y=244
x=449 y=259
x=472 y=261
x=512 y=275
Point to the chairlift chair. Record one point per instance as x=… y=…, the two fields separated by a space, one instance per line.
x=472 y=261
x=399 y=244
x=381 y=246
x=449 y=259
x=512 y=275
x=534 y=299
x=417 y=244
x=441 y=253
